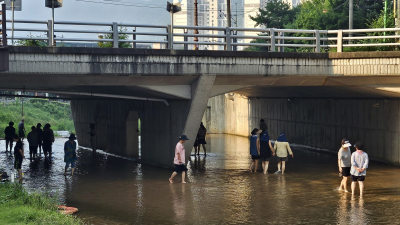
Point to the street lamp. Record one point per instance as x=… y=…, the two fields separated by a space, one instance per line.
x=53 y=4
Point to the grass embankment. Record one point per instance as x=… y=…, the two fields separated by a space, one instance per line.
x=17 y=206
x=42 y=111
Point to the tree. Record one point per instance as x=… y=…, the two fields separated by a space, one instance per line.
x=103 y=44
x=31 y=42
x=276 y=14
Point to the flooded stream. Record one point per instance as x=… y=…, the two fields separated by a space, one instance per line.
x=114 y=190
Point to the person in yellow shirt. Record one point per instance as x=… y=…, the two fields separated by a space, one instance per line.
x=282 y=148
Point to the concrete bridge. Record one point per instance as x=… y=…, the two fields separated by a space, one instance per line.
x=169 y=91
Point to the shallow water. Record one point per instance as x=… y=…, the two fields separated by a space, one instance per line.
x=113 y=190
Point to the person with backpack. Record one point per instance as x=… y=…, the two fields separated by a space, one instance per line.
x=9 y=135
x=266 y=150
x=33 y=142
x=48 y=140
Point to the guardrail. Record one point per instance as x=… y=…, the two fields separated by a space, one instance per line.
x=227 y=38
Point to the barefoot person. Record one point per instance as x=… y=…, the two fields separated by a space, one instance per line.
x=282 y=148
x=33 y=143
x=359 y=165
x=179 y=159
x=70 y=154
x=40 y=137
x=344 y=163
x=18 y=156
x=9 y=132
x=202 y=138
x=266 y=150
x=254 y=149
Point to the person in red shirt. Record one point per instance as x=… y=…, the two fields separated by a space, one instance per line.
x=179 y=159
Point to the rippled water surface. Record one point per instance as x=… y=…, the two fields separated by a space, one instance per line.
x=113 y=190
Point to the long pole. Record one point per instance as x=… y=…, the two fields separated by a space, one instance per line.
x=384 y=19
x=236 y=14
x=350 y=18
x=172 y=26
x=228 y=2
x=12 y=23
x=52 y=23
x=196 y=39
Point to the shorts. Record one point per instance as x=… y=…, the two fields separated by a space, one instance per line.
x=265 y=158
x=202 y=141
x=180 y=168
x=47 y=148
x=345 y=171
x=72 y=162
x=284 y=159
x=17 y=163
x=359 y=178
x=254 y=157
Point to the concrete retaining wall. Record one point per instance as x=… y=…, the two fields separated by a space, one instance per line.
x=320 y=123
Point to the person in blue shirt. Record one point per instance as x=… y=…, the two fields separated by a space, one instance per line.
x=254 y=149
x=70 y=154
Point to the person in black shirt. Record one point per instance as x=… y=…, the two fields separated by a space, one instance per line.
x=9 y=131
x=18 y=156
x=40 y=136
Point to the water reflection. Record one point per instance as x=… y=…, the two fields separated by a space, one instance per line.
x=114 y=190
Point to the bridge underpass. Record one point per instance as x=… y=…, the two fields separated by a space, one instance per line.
x=316 y=98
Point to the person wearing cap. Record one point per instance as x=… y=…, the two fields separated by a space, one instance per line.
x=344 y=163
x=359 y=165
x=48 y=139
x=282 y=148
x=9 y=132
x=70 y=154
x=93 y=136
x=179 y=159
x=40 y=136
x=254 y=149
x=21 y=130
x=33 y=142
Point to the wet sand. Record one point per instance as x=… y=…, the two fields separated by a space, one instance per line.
x=113 y=190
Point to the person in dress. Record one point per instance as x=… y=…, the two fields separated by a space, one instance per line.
x=179 y=159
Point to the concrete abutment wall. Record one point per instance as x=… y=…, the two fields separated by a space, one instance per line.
x=320 y=123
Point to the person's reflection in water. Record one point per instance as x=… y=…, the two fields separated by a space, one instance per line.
x=358 y=214
x=281 y=196
x=198 y=163
x=342 y=212
x=179 y=203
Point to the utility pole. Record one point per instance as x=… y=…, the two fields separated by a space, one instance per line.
x=228 y=2
x=350 y=18
x=196 y=39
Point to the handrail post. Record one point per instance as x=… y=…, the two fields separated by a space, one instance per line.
x=228 y=39
x=185 y=39
x=281 y=41
x=272 y=34
x=134 y=38
x=235 y=41
x=317 y=41
x=115 y=34
x=340 y=41
x=169 y=37
x=50 y=37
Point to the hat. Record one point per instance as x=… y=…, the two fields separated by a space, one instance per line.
x=47 y=125
x=183 y=137
x=256 y=131
x=72 y=137
x=346 y=144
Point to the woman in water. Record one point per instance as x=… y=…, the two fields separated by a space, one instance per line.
x=282 y=148
x=265 y=150
x=254 y=149
x=344 y=163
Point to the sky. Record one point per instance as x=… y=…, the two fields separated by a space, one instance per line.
x=128 y=11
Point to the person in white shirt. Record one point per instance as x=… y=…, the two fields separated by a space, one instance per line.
x=359 y=165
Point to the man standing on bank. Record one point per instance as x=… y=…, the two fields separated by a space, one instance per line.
x=282 y=148
x=21 y=130
x=9 y=132
x=179 y=159
x=359 y=165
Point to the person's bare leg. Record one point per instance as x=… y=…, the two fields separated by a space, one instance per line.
x=20 y=175
x=72 y=171
x=256 y=166
x=361 y=184
x=183 y=177
x=353 y=187
x=345 y=184
x=283 y=167
x=251 y=166
x=204 y=149
x=279 y=166
x=266 y=167
x=262 y=165
x=172 y=177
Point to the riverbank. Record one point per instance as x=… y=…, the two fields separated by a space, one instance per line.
x=17 y=206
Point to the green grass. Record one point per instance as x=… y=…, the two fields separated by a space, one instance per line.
x=17 y=206
x=42 y=111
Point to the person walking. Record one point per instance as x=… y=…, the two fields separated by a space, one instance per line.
x=70 y=154
x=40 y=137
x=48 y=140
x=18 y=156
x=93 y=136
x=33 y=142
x=21 y=130
x=202 y=138
x=263 y=125
x=344 y=163
x=9 y=135
x=359 y=165
x=282 y=148
x=179 y=159
x=265 y=150
x=254 y=149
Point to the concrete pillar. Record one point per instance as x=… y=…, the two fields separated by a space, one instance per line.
x=201 y=90
x=132 y=134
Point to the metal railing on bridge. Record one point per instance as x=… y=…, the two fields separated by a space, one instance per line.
x=225 y=38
